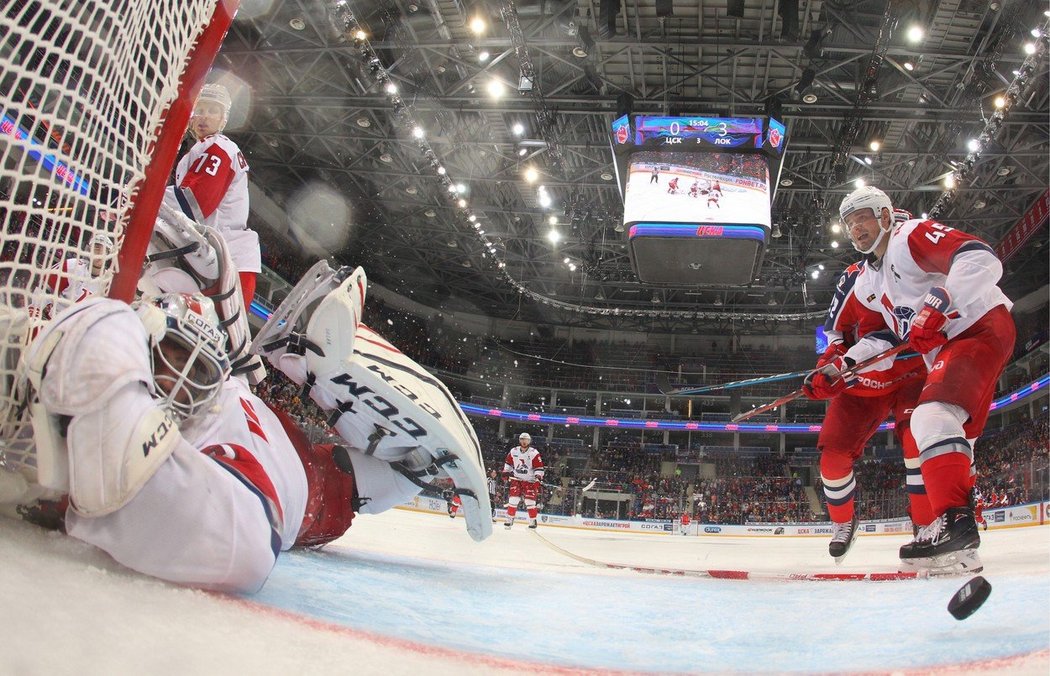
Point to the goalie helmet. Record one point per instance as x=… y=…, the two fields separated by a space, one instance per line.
x=187 y=351
x=868 y=197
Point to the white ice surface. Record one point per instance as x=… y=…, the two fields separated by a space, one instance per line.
x=406 y=592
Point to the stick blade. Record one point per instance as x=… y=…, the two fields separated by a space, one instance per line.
x=969 y=598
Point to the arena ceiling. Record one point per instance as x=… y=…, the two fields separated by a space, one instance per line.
x=322 y=130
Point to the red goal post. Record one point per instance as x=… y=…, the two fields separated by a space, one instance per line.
x=95 y=98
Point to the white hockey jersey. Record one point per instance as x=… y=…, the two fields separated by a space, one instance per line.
x=211 y=186
x=233 y=487
x=523 y=464
x=72 y=281
x=924 y=254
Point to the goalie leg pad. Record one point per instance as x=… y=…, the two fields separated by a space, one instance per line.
x=388 y=407
x=379 y=485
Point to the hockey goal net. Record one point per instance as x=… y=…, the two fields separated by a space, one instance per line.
x=95 y=96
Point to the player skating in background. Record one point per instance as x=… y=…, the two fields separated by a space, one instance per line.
x=856 y=410
x=523 y=466
x=211 y=184
x=937 y=289
x=683 y=523
x=178 y=471
x=672 y=186
x=73 y=279
x=694 y=189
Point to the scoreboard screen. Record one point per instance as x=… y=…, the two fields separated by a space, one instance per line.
x=687 y=133
x=697 y=195
x=726 y=189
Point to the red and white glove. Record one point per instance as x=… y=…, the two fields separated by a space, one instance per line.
x=836 y=349
x=825 y=381
x=927 y=332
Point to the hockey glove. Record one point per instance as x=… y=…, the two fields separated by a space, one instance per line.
x=836 y=349
x=825 y=382
x=927 y=331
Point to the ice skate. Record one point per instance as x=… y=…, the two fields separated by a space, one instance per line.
x=532 y=524
x=948 y=546
x=508 y=523
x=842 y=539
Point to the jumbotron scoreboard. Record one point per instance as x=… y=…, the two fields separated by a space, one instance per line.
x=697 y=194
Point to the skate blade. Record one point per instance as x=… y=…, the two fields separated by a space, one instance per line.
x=962 y=562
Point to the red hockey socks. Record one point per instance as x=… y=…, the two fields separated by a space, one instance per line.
x=947 y=479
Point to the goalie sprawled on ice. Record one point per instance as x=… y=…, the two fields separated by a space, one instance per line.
x=177 y=470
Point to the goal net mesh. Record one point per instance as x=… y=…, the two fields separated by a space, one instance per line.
x=85 y=87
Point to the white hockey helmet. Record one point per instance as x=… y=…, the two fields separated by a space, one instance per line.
x=101 y=241
x=868 y=197
x=187 y=351
x=216 y=93
x=525 y=436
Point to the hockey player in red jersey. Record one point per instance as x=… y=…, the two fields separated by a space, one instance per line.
x=179 y=471
x=211 y=184
x=936 y=288
x=672 y=185
x=454 y=503
x=523 y=466
x=856 y=409
x=978 y=507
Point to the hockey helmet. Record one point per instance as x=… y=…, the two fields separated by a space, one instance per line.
x=103 y=242
x=868 y=197
x=216 y=93
x=101 y=246
x=525 y=436
x=187 y=351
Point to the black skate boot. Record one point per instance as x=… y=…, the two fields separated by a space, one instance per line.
x=842 y=539
x=948 y=546
x=532 y=524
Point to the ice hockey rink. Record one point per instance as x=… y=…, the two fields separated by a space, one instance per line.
x=408 y=592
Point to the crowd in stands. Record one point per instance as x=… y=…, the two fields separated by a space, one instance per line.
x=1013 y=464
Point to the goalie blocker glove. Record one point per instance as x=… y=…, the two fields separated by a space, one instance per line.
x=394 y=415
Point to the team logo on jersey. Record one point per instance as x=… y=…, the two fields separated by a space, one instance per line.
x=902 y=317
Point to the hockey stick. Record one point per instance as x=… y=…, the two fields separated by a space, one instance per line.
x=848 y=373
x=737 y=574
x=727 y=386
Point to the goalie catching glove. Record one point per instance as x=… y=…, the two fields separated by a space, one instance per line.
x=403 y=425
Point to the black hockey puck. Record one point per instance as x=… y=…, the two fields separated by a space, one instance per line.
x=969 y=598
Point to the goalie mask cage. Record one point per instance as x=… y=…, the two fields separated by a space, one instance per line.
x=95 y=96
